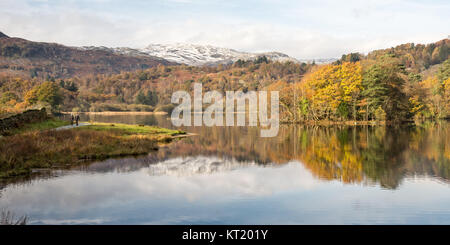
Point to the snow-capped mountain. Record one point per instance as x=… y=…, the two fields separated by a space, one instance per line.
x=206 y=54
x=196 y=55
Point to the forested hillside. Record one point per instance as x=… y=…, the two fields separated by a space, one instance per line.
x=150 y=88
x=397 y=84
x=404 y=82
x=416 y=57
x=27 y=59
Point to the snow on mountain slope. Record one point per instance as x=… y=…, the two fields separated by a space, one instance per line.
x=206 y=55
x=197 y=55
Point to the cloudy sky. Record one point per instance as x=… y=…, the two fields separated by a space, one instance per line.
x=302 y=29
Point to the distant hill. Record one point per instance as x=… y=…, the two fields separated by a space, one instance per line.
x=415 y=57
x=195 y=55
x=38 y=59
x=319 y=61
x=413 y=76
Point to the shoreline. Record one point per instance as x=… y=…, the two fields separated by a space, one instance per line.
x=361 y=123
x=25 y=152
x=341 y=123
x=348 y=123
x=118 y=113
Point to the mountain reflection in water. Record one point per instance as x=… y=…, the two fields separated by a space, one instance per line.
x=230 y=175
x=178 y=166
x=372 y=154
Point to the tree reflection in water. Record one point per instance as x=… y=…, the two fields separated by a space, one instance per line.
x=361 y=154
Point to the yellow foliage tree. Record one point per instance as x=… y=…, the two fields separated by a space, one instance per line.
x=331 y=89
x=435 y=98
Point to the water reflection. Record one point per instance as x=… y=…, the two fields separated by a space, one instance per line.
x=230 y=175
x=252 y=194
x=383 y=155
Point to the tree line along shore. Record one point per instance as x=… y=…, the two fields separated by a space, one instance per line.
x=406 y=83
x=403 y=83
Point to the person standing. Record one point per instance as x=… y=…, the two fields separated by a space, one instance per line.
x=71 y=119
x=77 y=119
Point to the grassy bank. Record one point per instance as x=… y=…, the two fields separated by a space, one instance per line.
x=107 y=113
x=20 y=153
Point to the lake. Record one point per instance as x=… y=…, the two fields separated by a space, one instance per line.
x=230 y=175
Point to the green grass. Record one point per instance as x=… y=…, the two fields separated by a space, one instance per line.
x=41 y=148
x=128 y=129
x=39 y=126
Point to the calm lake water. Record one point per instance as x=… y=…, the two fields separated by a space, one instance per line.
x=229 y=175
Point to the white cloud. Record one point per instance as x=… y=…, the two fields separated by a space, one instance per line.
x=300 y=29
x=67 y=194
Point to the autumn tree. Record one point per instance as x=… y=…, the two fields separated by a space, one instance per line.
x=47 y=92
x=332 y=89
x=7 y=97
x=383 y=88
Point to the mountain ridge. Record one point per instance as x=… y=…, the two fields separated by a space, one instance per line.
x=194 y=54
x=21 y=57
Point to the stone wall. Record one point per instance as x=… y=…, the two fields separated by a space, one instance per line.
x=19 y=120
